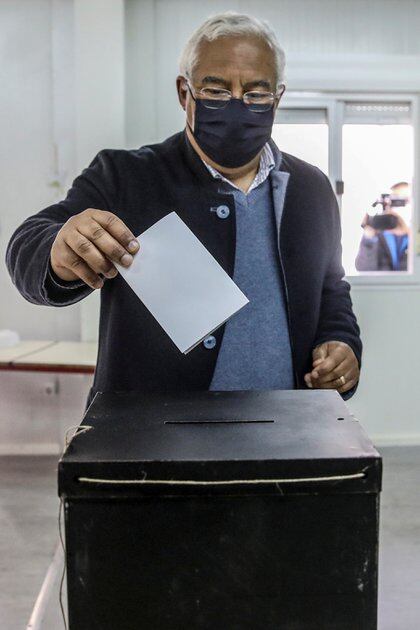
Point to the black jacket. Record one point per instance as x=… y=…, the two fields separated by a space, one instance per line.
x=143 y=185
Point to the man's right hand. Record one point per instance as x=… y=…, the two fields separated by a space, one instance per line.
x=88 y=244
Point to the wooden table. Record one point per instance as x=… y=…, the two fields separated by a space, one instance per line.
x=75 y=357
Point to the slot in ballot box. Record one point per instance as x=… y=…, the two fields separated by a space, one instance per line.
x=221 y=510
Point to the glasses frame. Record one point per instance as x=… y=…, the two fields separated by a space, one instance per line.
x=198 y=94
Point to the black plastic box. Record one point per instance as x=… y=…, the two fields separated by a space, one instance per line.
x=270 y=522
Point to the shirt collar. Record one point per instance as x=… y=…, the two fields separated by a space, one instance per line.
x=267 y=163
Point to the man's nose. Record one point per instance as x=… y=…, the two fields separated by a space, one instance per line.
x=237 y=92
x=236 y=89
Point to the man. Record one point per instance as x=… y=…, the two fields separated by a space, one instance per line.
x=387 y=249
x=269 y=219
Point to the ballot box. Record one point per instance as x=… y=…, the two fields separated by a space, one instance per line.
x=222 y=511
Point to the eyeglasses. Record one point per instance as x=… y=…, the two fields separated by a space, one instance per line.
x=218 y=98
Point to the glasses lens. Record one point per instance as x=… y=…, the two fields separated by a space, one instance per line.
x=259 y=101
x=214 y=98
x=213 y=104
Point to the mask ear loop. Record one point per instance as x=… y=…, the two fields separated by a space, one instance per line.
x=194 y=99
x=190 y=90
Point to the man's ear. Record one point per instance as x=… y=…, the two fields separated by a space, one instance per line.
x=281 y=91
x=182 y=91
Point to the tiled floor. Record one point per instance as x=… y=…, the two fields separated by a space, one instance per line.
x=29 y=532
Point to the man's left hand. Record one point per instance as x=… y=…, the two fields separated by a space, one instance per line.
x=334 y=367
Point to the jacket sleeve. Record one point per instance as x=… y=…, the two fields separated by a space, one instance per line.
x=337 y=321
x=367 y=256
x=28 y=251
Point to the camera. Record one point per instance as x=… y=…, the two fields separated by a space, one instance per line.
x=393 y=201
x=383 y=221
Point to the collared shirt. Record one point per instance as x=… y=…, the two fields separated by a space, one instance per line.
x=267 y=163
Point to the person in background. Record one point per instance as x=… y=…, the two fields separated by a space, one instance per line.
x=382 y=248
x=270 y=219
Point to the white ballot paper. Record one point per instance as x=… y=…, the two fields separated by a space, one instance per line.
x=181 y=284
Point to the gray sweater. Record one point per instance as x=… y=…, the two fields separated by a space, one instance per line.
x=255 y=351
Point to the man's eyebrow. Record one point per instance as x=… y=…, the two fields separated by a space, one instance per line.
x=249 y=85
x=259 y=83
x=212 y=79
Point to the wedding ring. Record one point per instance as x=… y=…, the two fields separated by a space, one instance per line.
x=342 y=380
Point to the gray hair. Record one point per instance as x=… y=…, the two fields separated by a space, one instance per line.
x=230 y=24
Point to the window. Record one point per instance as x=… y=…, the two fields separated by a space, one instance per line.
x=304 y=133
x=378 y=172
x=366 y=146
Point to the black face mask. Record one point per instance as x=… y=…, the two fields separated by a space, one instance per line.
x=231 y=136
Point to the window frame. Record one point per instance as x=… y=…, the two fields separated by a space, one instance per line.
x=334 y=105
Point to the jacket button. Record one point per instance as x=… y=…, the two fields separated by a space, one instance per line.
x=209 y=342
x=222 y=212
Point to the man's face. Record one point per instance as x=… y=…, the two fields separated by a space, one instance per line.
x=238 y=64
x=401 y=191
x=403 y=211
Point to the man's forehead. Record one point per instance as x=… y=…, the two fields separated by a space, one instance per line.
x=402 y=189
x=226 y=56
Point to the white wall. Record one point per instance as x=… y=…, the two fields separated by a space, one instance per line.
x=388 y=400
x=63 y=65
x=27 y=156
x=99 y=99
x=99 y=76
